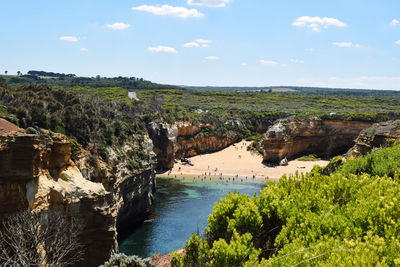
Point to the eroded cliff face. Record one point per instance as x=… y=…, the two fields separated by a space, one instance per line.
x=37 y=173
x=293 y=137
x=378 y=135
x=184 y=139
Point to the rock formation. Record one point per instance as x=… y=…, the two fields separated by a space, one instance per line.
x=184 y=139
x=293 y=137
x=378 y=135
x=37 y=173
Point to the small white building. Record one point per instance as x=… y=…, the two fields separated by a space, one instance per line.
x=132 y=95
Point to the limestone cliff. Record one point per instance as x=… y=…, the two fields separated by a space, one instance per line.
x=293 y=137
x=37 y=173
x=184 y=139
x=378 y=135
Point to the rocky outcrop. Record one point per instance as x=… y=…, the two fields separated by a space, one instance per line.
x=293 y=137
x=378 y=135
x=184 y=139
x=164 y=137
x=37 y=173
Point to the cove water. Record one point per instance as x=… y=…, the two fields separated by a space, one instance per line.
x=181 y=208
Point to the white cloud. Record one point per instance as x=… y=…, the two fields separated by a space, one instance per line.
x=397 y=42
x=167 y=10
x=268 y=62
x=69 y=38
x=191 y=44
x=395 y=22
x=211 y=58
x=203 y=41
x=162 y=49
x=198 y=43
x=297 y=61
x=346 y=44
x=119 y=26
x=83 y=49
x=209 y=3
x=244 y=64
x=316 y=23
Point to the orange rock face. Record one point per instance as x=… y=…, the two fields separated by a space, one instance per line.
x=185 y=140
x=290 y=138
x=379 y=134
x=37 y=173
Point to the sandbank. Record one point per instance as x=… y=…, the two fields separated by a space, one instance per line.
x=237 y=162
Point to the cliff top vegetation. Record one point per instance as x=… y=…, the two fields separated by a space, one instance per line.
x=98 y=110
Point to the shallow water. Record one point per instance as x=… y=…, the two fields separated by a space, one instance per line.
x=181 y=208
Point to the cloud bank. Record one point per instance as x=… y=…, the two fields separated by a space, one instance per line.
x=316 y=23
x=198 y=43
x=162 y=49
x=167 y=10
x=268 y=62
x=72 y=39
x=118 y=26
x=347 y=44
x=395 y=22
x=208 y=3
x=211 y=57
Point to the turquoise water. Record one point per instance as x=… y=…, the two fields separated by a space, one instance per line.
x=181 y=208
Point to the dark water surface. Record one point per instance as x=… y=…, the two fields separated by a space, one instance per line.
x=181 y=208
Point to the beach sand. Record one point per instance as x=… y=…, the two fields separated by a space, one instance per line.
x=236 y=161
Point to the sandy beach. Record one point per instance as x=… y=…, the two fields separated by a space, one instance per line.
x=235 y=161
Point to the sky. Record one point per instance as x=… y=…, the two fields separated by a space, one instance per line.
x=336 y=43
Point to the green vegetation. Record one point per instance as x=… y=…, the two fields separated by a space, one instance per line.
x=4 y=112
x=311 y=157
x=85 y=120
x=382 y=162
x=69 y=80
x=347 y=218
x=122 y=260
x=245 y=113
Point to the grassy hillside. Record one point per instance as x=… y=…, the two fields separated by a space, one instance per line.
x=347 y=218
x=247 y=113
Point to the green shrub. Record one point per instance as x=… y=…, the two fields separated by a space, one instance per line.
x=381 y=162
x=122 y=260
x=75 y=149
x=311 y=157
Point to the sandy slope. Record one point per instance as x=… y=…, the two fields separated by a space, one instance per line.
x=236 y=160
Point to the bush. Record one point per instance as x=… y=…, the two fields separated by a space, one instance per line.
x=311 y=157
x=381 y=162
x=122 y=260
x=40 y=239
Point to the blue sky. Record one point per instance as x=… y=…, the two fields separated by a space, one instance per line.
x=338 y=43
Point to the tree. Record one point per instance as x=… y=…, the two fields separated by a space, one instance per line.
x=40 y=239
x=5 y=72
x=19 y=73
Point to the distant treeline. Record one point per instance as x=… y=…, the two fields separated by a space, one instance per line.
x=51 y=78
x=49 y=74
x=292 y=89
